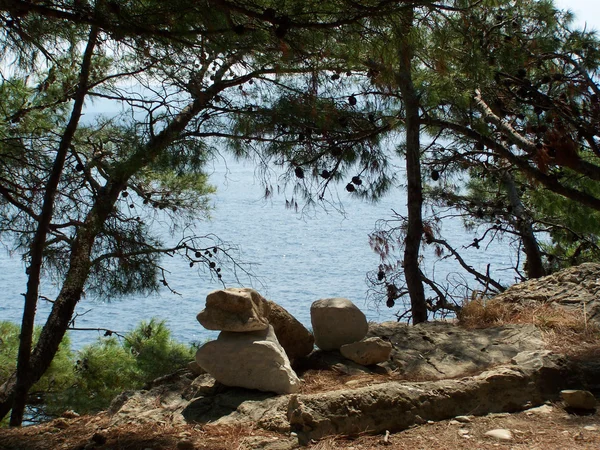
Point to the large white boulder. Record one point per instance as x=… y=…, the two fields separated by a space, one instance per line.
x=337 y=321
x=369 y=351
x=235 y=309
x=252 y=360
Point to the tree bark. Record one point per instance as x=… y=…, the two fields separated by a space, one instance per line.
x=80 y=262
x=533 y=265
x=414 y=233
x=39 y=240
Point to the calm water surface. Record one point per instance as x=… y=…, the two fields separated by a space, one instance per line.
x=297 y=259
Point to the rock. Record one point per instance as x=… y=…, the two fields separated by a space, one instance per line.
x=394 y=406
x=463 y=419
x=578 y=399
x=237 y=406
x=99 y=438
x=500 y=433
x=350 y=368
x=438 y=350
x=540 y=410
x=267 y=443
x=295 y=339
x=590 y=428
x=576 y=288
x=252 y=360
x=235 y=309
x=532 y=360
x=184 y=444
x=157 y=405
x=337 y=321
x=203 y=385
x=161 y=403
x=195 y=368
x=69 y=414
x=60 y=423
x=367 y=351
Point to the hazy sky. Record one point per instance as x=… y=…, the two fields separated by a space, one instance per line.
x=586 y=11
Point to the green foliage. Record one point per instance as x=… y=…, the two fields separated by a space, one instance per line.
x=155 y=352
x=88 y=380
x=109 y=367
x=56 y=380
x=102 y=371
x=573 y=229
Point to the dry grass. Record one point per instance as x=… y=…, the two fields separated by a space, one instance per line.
x=564 y=329
x=315 y=381
x=96 y=432
x=553 y=431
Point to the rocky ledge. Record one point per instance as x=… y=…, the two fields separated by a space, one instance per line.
x=575 y=288
x=434 y=371
x=521 y=378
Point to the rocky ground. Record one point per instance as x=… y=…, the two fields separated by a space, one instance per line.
x=547 y=428
x=445 y=386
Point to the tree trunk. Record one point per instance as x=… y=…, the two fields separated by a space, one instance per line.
x=80 y=262
x=39 y=240
x=533 y=265
x=414 y=233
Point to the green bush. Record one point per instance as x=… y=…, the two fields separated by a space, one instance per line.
x=57 y=379
x=102 y=371
x=88 y=380
x=156 y=353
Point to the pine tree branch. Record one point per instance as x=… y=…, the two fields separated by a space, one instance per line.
x=548 y=181
x=575 y=162
x=480 y=277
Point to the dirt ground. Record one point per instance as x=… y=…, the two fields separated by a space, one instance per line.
x=552 y=428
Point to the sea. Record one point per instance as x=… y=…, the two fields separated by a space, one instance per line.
x=295 y=256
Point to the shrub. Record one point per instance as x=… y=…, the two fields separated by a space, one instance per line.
x=483 y=313
x=102 y=371
x=565 y=330
x=88 y=380
x=57 y=379
x=156 y=353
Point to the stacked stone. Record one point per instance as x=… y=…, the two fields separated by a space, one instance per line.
x=257 y=341
x=339 y=325
x=260 y=340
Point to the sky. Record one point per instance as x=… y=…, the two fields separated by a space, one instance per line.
x=586 y=12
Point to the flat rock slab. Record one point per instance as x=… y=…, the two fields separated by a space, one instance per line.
x=529 y=379
x=439 y=350
x=577 y=288
x=391 y=406
x=240 y=406
x=163 y=402
x=395 y=406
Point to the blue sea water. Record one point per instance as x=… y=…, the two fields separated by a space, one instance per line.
x=296 y=258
